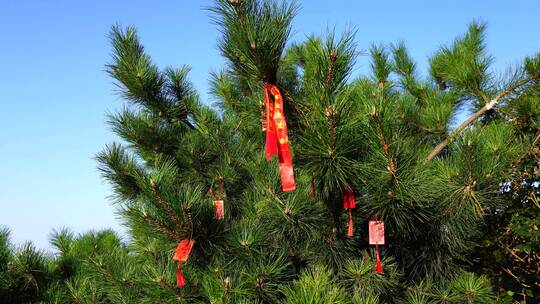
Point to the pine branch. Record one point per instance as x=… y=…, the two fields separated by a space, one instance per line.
x=161 y=281
x=168 y=210
x=527 y=151
x=440 y=147
x=392 y=166
x=161 y=228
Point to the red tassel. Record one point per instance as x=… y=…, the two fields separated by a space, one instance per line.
x=277 y=139
x=350 y=231
x=180 y=280
x=312 y=185
x=378 y=260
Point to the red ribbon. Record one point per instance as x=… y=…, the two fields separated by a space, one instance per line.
x=181 y=255
x=277 y=140
x=348 y=203
x=219 y=208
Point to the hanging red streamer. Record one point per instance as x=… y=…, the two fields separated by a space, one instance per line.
x=219 y=207
x=277 y=140
x=349 y=204
x=312 y=185
x=181 y=255
x=376 y=237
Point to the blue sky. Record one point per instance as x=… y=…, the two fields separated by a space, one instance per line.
x=54 y=93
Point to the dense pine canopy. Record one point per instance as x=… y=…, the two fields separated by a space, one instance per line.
x=390 y=136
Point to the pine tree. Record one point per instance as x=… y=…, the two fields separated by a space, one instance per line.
x=26 y=273
x=385 y=137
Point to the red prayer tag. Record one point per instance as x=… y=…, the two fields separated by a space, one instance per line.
x=376 y=232
x=219 y=210
x=348 y=199
x=183 y=250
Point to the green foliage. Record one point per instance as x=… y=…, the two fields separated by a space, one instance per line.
x=359 y=278
x=254 y=35
x=373 y=135
x=25 y=272
x=466 y=288
x=315 y=286
x=370 y=134
x=464 y=65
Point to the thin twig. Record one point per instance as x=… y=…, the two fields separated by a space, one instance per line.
x=161 y=228
x=522 y=156
x=162 y=283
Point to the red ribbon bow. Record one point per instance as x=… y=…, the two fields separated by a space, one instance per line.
x=277 y=140
x=181 y=255
x=348 y=203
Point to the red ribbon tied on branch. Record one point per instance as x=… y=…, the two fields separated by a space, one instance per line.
x=277 y=140
x=181 y=255
x=348 y=203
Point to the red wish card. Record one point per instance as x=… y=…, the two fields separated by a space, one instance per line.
x=219 y=210
x=376 y=232
x=183 y=250
x=348 y=199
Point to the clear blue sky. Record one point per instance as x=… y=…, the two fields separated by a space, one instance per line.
x=54 y=93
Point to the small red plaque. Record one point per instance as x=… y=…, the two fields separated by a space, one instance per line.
x=376 y=232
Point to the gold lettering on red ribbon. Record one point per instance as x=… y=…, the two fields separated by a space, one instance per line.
x=277 y=140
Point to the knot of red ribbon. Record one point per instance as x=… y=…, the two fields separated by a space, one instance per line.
x=277 y=139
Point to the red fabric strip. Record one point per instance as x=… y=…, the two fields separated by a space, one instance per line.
x=277 y=139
